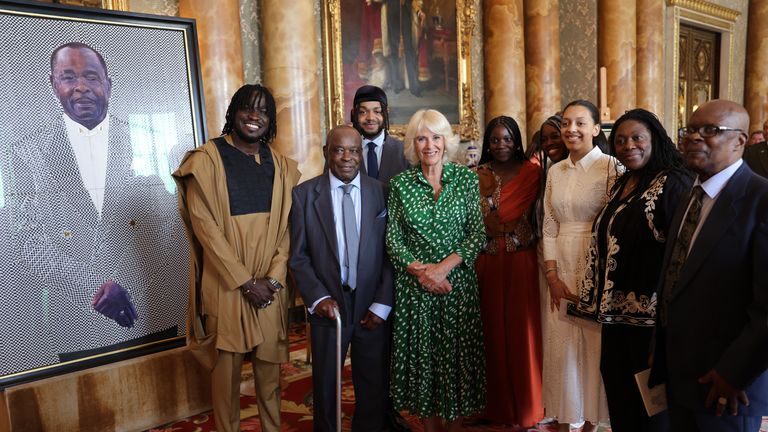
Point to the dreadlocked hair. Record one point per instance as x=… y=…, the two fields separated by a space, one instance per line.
x=384 y=115
x=244 y=99
x=511 y=125
x=664 y=154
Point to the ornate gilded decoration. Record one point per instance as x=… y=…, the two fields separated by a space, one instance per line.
x=707 y=8
x=121 y=5
x=466 y=21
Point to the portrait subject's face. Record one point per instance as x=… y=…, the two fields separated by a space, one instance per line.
x=633 y=144
x=345 y=152
x=552 y=143
x=82 y=85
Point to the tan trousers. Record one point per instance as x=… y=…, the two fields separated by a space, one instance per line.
x=225 y=389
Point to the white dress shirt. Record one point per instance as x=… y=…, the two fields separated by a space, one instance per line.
x=337 y=195
x=90 y=148
x=379 y=142
x=712 y=188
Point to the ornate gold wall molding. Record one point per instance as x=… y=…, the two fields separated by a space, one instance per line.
x=707 y=8
x=466 y=23
x=121 y=5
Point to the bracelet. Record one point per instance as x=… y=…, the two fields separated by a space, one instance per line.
x=550 y=269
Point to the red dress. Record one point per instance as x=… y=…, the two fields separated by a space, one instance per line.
x=509 y=298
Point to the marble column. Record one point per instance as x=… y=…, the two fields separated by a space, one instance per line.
x=290 y=68
x=542 y=62
x=221 y=55
x=504 y=60
x=756 y=86
x=650 y=56
x=617 y=24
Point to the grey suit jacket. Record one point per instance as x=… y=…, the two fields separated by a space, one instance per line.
x=756 y=156
x=718 y=313
x=393 y=160
x=314 y=258
x=138 y=241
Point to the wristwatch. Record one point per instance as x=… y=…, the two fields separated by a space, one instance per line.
x=275 y=284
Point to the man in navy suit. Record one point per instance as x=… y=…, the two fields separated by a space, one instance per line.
x=711 y=344
x=338 y=261
x=383 y=156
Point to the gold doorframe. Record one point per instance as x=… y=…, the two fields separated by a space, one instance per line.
x=712 y=17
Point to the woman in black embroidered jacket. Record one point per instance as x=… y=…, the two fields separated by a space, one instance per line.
x=625 y=257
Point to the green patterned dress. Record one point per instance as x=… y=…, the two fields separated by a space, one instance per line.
x=438 y=363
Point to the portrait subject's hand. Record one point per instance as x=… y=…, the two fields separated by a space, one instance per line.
x=258 y=292
x=371 y=321
x=325 y=308
x=722 y=391
x=113 y=301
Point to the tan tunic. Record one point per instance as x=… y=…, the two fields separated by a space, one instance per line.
x=229 y=250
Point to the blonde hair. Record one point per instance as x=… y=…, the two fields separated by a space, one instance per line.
x=436 y=122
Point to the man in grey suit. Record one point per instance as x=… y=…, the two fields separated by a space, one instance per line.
x=383 y=156
x=756 y=155
x=711 y=345
x=343 y=265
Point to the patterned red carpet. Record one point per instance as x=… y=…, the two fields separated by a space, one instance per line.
x=297 y=402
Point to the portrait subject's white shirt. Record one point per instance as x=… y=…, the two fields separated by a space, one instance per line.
x=90 y=148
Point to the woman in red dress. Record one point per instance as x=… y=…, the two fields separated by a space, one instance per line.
x=508 y=277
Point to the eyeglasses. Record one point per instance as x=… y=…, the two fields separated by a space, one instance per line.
x=505 y=140
x=706 y=131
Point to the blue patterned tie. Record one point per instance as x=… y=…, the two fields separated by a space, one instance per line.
x=351 y=237
x=680 y=251
x=373 y=161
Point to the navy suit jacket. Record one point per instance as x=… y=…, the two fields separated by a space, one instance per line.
x=756 y=156
x=314 y=258
x=718 y=313
x=393 y=160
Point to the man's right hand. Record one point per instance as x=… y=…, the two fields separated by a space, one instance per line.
x=258 y=292
x=326 y=308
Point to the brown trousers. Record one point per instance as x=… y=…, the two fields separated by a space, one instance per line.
x=225 y=389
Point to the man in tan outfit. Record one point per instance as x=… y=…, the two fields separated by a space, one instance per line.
x=235 y=195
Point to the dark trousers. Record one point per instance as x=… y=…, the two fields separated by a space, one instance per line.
x=624 y=352
x=370 y=351
x=683 y=419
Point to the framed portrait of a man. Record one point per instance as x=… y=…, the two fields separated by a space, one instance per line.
x=417 y=51
x=100 y=107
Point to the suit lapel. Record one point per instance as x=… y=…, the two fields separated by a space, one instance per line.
x=724 y=210
x=324 y=210
x=367 y=216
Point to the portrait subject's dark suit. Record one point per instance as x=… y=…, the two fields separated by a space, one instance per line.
x=315 y=266
x=393 y=160
x=71 y=250
x=756 y=156
x=718 y=312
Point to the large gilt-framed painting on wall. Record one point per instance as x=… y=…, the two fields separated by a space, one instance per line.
x=418 y=51
x=99 y=108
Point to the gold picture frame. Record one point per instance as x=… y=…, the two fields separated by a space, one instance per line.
x=339 y=89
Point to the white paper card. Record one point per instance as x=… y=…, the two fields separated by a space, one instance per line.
x=655 y=399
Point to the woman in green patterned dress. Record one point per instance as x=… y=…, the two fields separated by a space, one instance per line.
x=434 y=234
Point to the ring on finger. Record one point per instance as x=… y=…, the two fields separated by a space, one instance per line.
x=722 y=400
